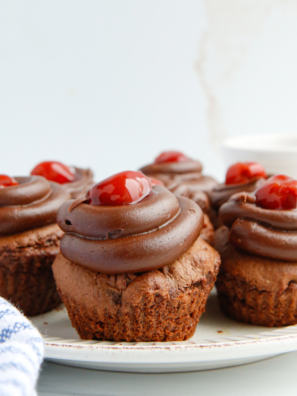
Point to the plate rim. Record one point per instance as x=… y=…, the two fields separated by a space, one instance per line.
x=271 y=333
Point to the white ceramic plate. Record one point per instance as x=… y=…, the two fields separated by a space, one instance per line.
x=218 y=342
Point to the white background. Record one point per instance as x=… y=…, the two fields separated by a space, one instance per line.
x=110 y=84
x=105 y=84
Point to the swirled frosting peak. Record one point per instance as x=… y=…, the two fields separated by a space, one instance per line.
x=183 y=178
x=123 y=188
x=7 y=181
x=170 y=168
x=54 y=171
x=129 y=238
x=243 y=172
x=171 y=156
x=32 y=203
x=242 y=176
x=278 y=192
x=265 y=232
x=73 y=179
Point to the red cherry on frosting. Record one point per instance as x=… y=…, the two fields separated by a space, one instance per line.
x=156 y=182
x=121 y=189
x=171 y=156
x=7 y=181
x=243 y=172
x=278 y=192
x=54 y=171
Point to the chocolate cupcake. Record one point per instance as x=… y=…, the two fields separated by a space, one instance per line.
x=240 y=177
x=132 y=266
x=73 y=179
x=182 y=176
x=258 y=247
x=29 y=242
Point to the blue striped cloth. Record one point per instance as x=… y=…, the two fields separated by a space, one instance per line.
x=21 y=352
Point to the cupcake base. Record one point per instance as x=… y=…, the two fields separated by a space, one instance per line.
x=160 y=305
x=26 y=277
x=254 y=289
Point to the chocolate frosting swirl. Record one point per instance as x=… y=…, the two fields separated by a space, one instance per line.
x=83 y=179
x=130 y=238
x=183 y=179
x=190 y=166
x=264 y=232
x=185 y=190
x=31 y=204
x=222 y=192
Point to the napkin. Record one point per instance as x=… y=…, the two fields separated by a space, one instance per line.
x=21 y=352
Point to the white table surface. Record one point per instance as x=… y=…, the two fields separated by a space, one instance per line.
x=276 y=376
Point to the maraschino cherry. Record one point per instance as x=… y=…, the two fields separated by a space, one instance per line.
x=124 y=188
x=243 y=172
x=54 y=171
x=278 y=192
x=7 y=181
x=156 y=182
x=171 y=156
